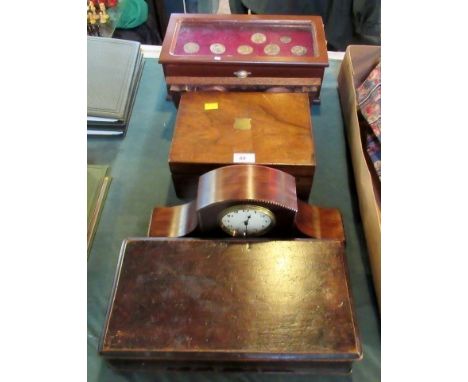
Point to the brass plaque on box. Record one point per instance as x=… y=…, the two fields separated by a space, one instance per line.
x=212 y=128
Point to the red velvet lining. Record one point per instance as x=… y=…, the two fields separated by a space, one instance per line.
x=231 y=35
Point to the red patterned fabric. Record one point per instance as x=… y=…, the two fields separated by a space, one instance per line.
x=107 y=3
x=368 y=95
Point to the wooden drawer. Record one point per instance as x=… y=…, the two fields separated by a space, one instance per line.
x=234 y=70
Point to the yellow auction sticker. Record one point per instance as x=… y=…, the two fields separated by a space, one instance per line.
x=211 y=105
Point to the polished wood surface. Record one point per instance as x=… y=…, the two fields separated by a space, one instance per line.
x=268 y=304
x=319 y=222
x=176 y=221
x=178 y=85
x=234 y=81
x=280 y=135
x=236 y=184
x=287 y=75
x=187 y=185
x=247 y=184
x=310 y=221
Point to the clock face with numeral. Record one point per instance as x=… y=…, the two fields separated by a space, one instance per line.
x=246 y=220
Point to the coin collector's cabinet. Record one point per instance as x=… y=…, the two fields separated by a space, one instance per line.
x=244 y=52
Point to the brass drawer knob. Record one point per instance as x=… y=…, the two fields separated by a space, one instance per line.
x=242 y=74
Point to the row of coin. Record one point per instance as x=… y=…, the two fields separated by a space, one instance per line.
x=270 y=49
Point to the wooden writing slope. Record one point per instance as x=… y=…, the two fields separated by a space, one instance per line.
x=244 y=52
x=215 y=129
x=251 y=305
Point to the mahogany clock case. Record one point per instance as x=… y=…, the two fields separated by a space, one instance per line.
x=239 y=51
x=251 y=186
x=275 y=128
x=250 y=305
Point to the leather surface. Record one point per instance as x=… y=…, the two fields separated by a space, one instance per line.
x=141 y=180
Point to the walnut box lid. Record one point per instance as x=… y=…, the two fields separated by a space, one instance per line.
x=215 y=129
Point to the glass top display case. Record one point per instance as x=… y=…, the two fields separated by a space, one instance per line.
x=243 y=40
x=233 y=38
x=245 y=50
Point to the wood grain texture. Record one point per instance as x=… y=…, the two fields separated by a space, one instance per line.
x=244 y=184
x=274 y=303
x=234 y=81
x=176 y=221
x=247 y=184
x=319 y=222
x=286 y=75
x=281 y=134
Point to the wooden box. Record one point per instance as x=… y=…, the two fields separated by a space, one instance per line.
x=231 y=305
x=244 y=52
x=215 y=129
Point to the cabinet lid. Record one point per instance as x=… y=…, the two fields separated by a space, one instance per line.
x=259 y=39
x=222 y=128
x=257 y=300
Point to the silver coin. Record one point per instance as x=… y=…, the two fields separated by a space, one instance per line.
x=258 y=38
x=271 y=49
x=191 y=47
x=217 y=48
x=285 y=39
x=298 y=50
x=244 y=49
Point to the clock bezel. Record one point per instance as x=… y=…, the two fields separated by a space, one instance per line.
x=254 y=207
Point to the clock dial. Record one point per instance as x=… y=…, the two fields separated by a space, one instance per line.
x=246 y=220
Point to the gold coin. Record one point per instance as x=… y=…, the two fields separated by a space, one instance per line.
x=298 y=50
x=271 y=49
x=217 y=48
x=244 y=49
x=258 y=38
x=285 y=39
x=191 y=47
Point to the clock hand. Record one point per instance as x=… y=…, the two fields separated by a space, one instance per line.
x=246 y=223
